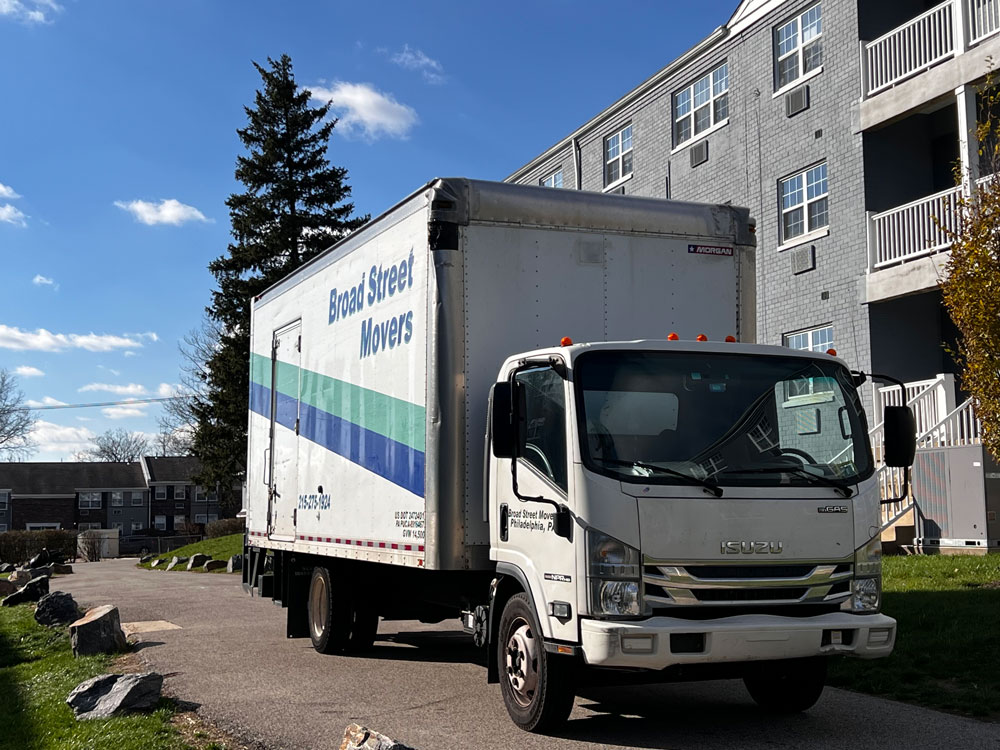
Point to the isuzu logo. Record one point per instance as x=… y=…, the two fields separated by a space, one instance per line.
x=751 y=548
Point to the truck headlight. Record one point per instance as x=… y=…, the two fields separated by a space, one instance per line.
x=866 y=588
x=614 y=573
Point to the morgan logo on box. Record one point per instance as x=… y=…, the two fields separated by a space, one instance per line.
x=751 y=548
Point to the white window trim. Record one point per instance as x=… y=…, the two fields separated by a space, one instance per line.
x=701 y=136
x=622 y=178
x=551 y=175
x=120 y=502
x=90 y=501
x=156 y=523
x=136 y=502
x=183 y=494
x=711 y=106
x=804 y=239
x=161 y=489
x=136 y=526
x=89 y=526
x=798 y=48
x=4 y=499
x=42 y=526
x=797 y=82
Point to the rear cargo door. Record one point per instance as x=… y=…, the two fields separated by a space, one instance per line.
x=286 y=388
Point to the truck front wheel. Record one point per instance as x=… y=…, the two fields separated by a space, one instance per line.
x=788 y=686
x=340 y=621
x=537 y=686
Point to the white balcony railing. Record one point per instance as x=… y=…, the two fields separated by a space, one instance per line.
x=983 y=18
x=922 y=42
x=911 y=48
x=917 y=228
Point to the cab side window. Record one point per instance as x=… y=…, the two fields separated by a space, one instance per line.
x=543 y=432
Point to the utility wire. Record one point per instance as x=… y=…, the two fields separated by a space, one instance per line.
x=103 y=403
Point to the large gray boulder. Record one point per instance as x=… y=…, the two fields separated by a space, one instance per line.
x=61 y=569
x=32 y=591
x=198 y=560
x=57 y=608
x=44 y=570
x=357 y=737
x=6 y=568
x=235 y=563
x=176 y=562
x=20 y=577
x=6 y=587
x=156 y=562
x=115 y=694
x=214 y=565
x=98 y=632
x=145 y=559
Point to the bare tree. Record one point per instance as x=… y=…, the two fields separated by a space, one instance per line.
x=178 y=420
x=16 y=420
x=117 y=445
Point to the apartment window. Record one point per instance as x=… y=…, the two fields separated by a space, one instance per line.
x=178 y=506
x=804 y=203
x=41 y=526
x=161 y=493
x=116 y=512
x=160 y=522
x=118 y=525
x=798 y=46
x=3 y=527
x=618 y=156
x=89 y=526
x=199 y=494
x=117 y=499
x=90 y=500
x=180 y=492
x=701 y=105
x=213 y=517
x=136 y=526
x=179 y=521
x=813 y=340
x=554 y=180
x=136 y=498
x=4 y=499
x=200 y=518
x=3 y=514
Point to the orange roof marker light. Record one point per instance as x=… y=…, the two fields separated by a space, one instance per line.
x=730 y=339
x=701 y=337
x=672 y=336
x=832 y=352
x=565 y=341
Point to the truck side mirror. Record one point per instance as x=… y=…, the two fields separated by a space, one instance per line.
x=503 y=423
x=900 y=431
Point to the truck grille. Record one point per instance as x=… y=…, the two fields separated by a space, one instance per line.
x=670 y=585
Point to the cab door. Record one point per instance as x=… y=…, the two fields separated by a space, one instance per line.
x=286 y=386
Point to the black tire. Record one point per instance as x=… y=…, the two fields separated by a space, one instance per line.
x=537 y=686
x=787 y=687
x=340 y=620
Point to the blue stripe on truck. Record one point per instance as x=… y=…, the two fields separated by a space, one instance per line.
x=389 y=459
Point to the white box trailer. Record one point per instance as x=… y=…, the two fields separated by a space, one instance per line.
x=372 y=493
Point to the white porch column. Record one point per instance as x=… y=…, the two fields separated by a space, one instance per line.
x=968 y=144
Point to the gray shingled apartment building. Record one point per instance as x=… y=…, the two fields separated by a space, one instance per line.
x=838 y=124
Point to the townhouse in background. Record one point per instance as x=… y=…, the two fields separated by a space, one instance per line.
x=838 y=123
x=152 y=494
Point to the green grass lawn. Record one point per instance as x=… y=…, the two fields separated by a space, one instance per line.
x=947 y=653
x=220 y=548
x=38 y=671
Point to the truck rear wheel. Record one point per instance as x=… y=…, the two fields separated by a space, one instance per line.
x=536 y=685
x=340 y=621
x=787 y=686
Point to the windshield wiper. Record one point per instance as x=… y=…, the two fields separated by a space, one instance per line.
x=712 y=487
x=800 y=470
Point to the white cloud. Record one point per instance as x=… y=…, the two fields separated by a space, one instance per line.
x=414 y=59
x=132 y=389
x=26 y=371
x=11 y=215
x=6 y=191
x=46 y=341
x=29 y=11
x=47 y=401
x=129 y=354
x=40 y=280
x=59 y=440
x=123 y=412
x=366 y=112
x=167 y=211
x=168 y=390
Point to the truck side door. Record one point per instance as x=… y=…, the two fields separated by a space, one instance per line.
x=286 y=385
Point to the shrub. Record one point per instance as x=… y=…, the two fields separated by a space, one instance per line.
x=225 y=527
x=20 y=546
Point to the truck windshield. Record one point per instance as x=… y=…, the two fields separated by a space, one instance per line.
x=720 y=419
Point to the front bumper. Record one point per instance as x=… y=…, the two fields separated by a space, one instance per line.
x=660 y=642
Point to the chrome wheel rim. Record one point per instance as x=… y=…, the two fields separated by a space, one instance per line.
x=521 y=662
x=319 y=605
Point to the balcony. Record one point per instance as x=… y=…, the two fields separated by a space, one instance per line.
x=939 y=34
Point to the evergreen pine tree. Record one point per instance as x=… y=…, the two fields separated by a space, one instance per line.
x=293 y=208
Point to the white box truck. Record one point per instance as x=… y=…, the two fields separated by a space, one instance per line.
x=660 y=498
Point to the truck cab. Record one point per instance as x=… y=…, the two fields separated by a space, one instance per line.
x=685 y=508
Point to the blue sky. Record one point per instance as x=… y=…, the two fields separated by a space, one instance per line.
x=118 y=144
